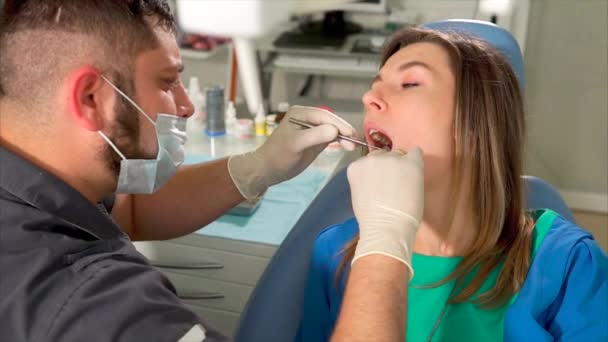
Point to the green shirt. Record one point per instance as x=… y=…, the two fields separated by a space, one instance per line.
x=464 y=321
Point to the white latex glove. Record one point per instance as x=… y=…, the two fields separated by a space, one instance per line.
x=388 y=200
x=288 y=151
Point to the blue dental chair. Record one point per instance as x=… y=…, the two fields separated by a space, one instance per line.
x=273 y=312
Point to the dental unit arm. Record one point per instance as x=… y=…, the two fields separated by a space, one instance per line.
x=243 y=21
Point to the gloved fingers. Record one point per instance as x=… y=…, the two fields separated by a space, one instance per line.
x=385 y=160
x=348 y=145
x=317 y=116
x=385 y=154
x=399 y=151
x=416 y=154
x=376 y=153
x=320 y=135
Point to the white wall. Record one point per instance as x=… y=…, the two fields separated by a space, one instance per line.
x=567 y=97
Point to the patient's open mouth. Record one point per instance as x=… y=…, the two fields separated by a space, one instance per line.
x=380 y=140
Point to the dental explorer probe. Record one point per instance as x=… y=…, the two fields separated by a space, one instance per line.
x=340 y=136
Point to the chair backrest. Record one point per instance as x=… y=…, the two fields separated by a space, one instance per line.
x=273 y=312
x=498 y=37
x=542 y=195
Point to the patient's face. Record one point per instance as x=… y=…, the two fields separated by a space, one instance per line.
x=412 y=102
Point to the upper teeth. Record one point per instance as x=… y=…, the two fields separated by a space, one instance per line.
x=372 y=131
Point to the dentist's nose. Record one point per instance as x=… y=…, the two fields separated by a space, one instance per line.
x=185 y=108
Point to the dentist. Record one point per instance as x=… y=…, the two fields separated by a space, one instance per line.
x=92 y=122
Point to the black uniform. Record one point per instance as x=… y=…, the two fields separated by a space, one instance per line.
x=68 y=273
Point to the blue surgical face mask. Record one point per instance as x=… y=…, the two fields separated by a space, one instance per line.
x=145 y=176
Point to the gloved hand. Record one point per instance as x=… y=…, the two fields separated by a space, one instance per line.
x=388 y=200
x=288 y=151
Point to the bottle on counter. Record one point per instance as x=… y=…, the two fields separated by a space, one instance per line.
x=231 y=119
x=271 y=124
x=196 y=123
x=260 y=122
x=216 y=123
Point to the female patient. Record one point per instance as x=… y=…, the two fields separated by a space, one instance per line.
x=485 y=269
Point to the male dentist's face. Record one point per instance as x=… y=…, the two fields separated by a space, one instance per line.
x=158 y=89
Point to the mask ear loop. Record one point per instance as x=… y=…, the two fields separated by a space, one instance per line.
x=128 y=99
x=112 y=144
x=134 y=105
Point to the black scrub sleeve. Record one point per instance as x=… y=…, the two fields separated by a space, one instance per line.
x=116 y=299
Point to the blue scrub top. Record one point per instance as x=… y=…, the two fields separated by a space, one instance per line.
x=564 y=297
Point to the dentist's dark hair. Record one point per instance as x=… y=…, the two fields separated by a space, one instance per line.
x=42 y=40
x=489 y=127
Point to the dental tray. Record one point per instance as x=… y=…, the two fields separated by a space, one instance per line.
x=246 y=208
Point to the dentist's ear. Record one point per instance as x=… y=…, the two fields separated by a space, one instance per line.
x=85 y=98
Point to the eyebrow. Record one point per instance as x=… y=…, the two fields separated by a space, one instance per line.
x=406 y=66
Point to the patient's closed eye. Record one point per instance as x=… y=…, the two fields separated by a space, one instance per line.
x=409 y=85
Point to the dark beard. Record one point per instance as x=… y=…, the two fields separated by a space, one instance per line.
x=124 y=134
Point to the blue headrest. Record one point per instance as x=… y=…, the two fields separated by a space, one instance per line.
x=498 y=37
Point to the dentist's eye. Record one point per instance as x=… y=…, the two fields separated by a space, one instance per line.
x=409 y=85
x=169 y=84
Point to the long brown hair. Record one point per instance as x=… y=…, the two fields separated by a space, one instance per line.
x=490 y=132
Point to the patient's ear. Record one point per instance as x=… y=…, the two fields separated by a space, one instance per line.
x=85 y=98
